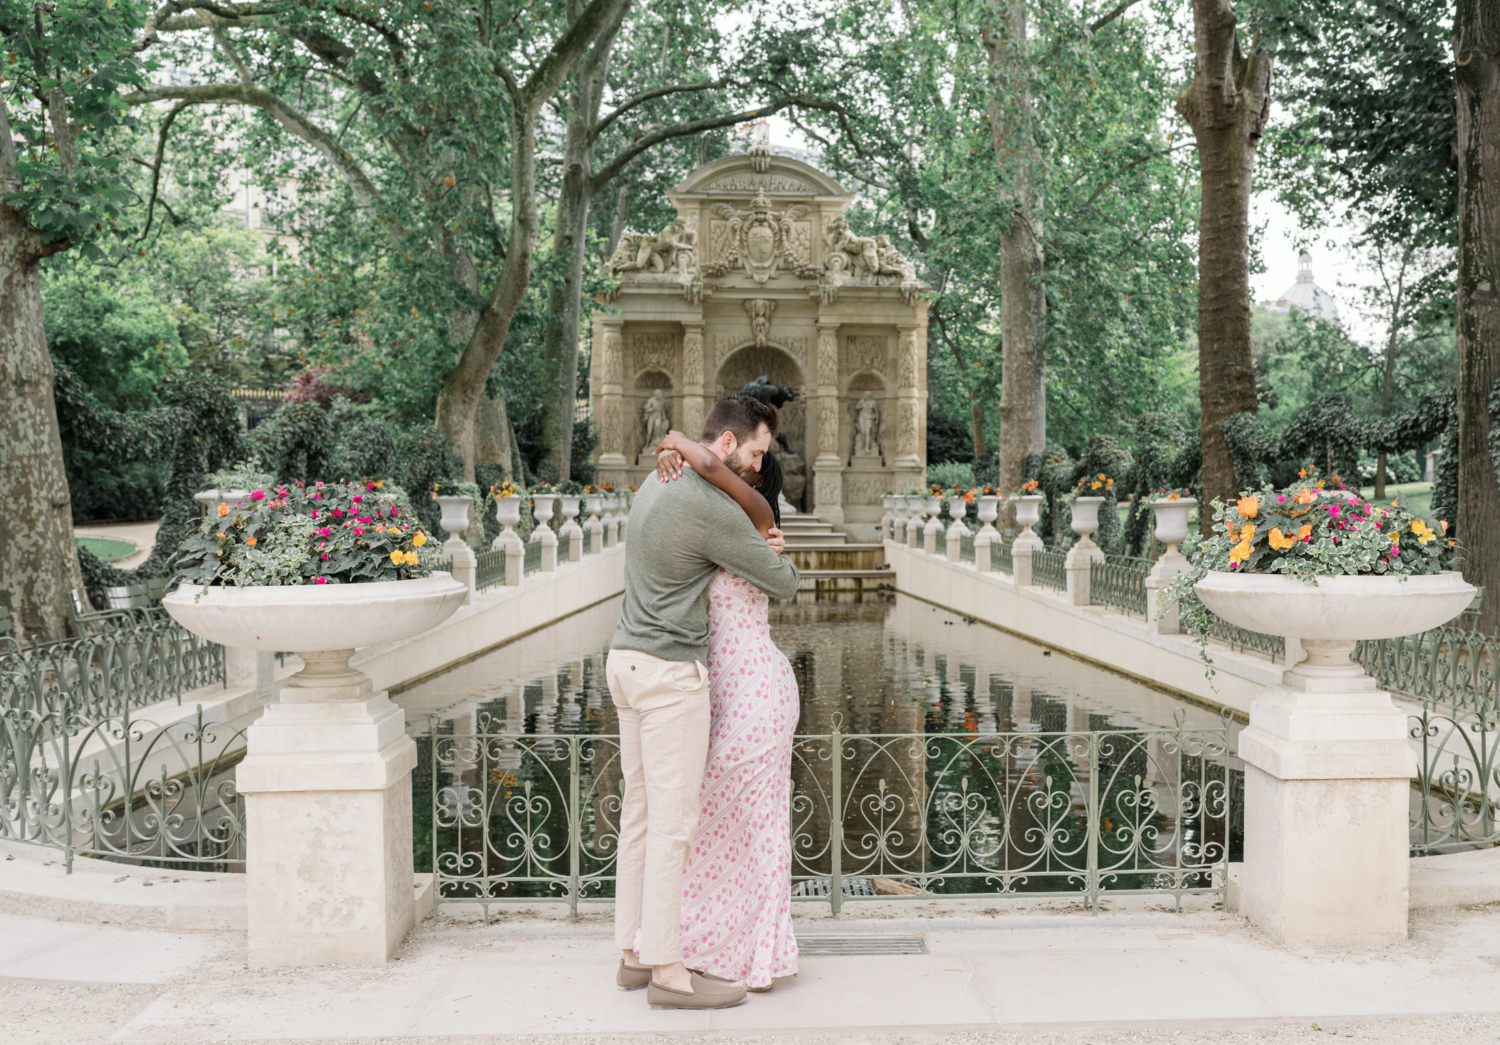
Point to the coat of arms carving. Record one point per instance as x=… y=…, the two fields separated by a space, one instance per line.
x=759 y=240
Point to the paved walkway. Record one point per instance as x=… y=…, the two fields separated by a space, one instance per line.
x=142 y=535
x=1017 y=975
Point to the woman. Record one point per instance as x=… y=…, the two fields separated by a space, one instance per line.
x=736 y=893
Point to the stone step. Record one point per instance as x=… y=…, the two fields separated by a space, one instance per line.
x=846 y=580
x=831 y=556
x=816 y=538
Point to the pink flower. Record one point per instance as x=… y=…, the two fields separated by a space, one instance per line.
x=320 y=486
x=315 y=513
x=338 y=513
x=257 y=495
x=321 y=580
x=357 y=498
x=1282 y=498
x=324 y=532
x=359 y=530
x=323 y=556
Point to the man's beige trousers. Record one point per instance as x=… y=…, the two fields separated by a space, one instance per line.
x=663 y=708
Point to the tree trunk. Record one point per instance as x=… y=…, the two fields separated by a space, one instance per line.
x=565 y=303
x=1226 y=104
x=38 y=559
x=1476 y=32
x=1023 y=303
x=463 y=387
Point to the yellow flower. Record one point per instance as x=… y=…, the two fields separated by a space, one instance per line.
x=419 y=540
x=1248 y=507
x=1395 y=538
x=398 y=556
x=1424 y=532
x=223 y=510
x=1240 y=552
x=1247 y=531
x=411 y=558
x=1280 y=541
x=1305 y=532
x=1305 y=496
x=1302 y=474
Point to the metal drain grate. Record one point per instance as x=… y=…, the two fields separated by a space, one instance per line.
x=861 y=944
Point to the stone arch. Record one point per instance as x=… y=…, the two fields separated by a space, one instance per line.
x=650 y=380
x=746 y=363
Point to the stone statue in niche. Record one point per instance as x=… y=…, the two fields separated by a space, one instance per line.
x=772 y=395
x=866 y=427
x=656 y=421
x=760 y=312
x=760 y=239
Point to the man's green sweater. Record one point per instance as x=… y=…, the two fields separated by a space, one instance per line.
x=680 y=533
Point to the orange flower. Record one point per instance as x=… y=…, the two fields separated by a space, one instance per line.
x=1305 y=496
x=250 y=541
x=1302 y=474
x=1305 y=532
x=1248 y=507
x=223 y=510
x=222 y=536
x=1280 y=541
x=1247 y=531
x=1240 y=552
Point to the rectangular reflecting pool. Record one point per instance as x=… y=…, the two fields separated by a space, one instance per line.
x=933 y=754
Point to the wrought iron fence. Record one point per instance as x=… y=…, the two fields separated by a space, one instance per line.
x=966 y=548
x=1458 y=779
x=533 y=558
x=531 y=818
x=1451 y=665
x=1001 y=558
x=1048 y=569
x=1273 y=646
x=141 y=660
x=1120 y=581
x=490 y=569
x=122 y=787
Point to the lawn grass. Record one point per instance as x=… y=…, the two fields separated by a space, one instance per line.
x=110 y=549
x=1417 y=495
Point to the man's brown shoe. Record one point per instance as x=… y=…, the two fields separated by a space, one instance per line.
x=628 y=979
x=706 y=994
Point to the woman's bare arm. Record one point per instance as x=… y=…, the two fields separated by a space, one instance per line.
x=715 y=471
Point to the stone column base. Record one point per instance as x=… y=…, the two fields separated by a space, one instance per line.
x=328 y=868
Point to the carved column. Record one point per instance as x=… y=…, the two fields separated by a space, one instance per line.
x=828 y=467
x=609 y=350
x=690 y=423
x=910 y=418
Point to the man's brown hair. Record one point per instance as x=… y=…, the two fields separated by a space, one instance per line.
x=741 y=414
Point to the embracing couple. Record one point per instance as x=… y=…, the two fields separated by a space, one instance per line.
x=707 y=707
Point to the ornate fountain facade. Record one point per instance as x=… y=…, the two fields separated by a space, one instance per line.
x=761 y=275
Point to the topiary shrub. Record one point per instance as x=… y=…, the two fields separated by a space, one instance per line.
x=99 y=575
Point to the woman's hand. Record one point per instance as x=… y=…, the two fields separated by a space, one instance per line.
x=668 y=460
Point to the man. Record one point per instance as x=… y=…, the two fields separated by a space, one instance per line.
x=680 y=534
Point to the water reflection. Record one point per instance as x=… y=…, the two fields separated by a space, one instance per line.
x=935 y=750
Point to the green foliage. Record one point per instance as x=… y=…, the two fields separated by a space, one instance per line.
x=99 y=575
x=335 y=533
x=295 y=443
x=948 y=440
x=951 y=474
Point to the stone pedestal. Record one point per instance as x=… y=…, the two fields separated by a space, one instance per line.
x=930 y=535
x=1327 y=782
x=327 y=785
x=596 y=535
x=1161 y=618
x=548 y=540
x=1020 y=557
x=251 y=669
x=465 y=564
x=1079 y=565
x=574 y=533
x=515 y=559
x=954 y=540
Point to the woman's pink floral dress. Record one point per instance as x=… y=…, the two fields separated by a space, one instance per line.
x=736 y=892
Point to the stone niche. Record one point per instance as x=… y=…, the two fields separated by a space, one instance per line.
x=760 y=274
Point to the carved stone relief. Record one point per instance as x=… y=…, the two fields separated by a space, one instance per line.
x=612 y=426
x=906 y=429
x=652 y=351
x=828 y=359
x=692 y=357
x=759 y=239
x=828 y=425
x=829 y=488
x=760 y=312
x=906 y=360
x=866 y=353
x=741 y=182
x=725 y=346
x=613 y=365
x=864 y=489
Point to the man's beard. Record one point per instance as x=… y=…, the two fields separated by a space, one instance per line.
x=737 y=465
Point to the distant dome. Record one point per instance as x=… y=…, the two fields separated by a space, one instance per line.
x=1306 y=295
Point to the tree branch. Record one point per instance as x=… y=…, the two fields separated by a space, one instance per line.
x=222 y=39
x=7 y=145
x=284 y=114
x=554 y=68
x=161 y=148
x=646 y=96
x=680 y=130
x=1109 y=16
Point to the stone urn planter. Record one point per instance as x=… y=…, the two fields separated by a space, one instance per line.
x=957 y=508
x=1327 y=761
x=542 y=508
x=327 y=777
x=1028 y=514
x=209 y=498
x=508 y=515
x=987 y=511
x=568 y=506
x=1172 y=521
x=1085 y=520
x=455 y=516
